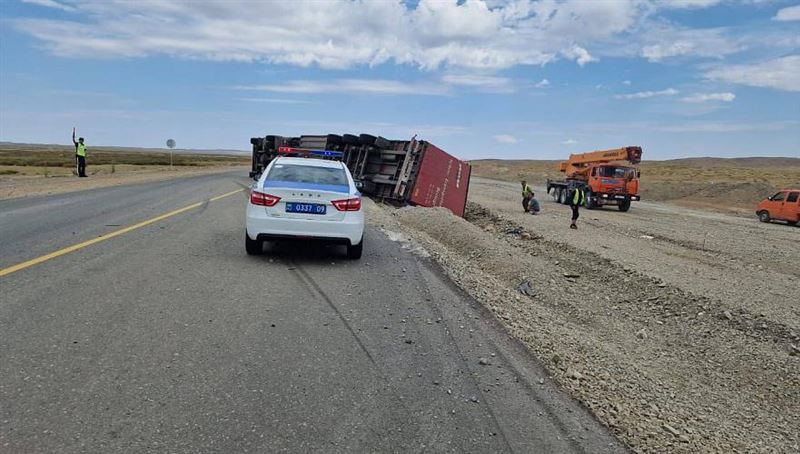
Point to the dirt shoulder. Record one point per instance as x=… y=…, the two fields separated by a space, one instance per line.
x=677 y=328
x=33 y=181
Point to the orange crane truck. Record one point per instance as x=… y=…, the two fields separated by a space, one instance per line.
x=607 y=177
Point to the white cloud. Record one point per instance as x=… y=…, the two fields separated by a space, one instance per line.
x=505 y=138
x=472 y=35
x=780 y=73
x=709 y=97
x=626 y=82
x=542 y=83
x=665 y=41
x=790 y=13
x=679 y=4
x=648 y=94
x=579 y=54
x=428 y=34
x=481 y=82
x=367 y=86
x=50 y=4
x=569 y=142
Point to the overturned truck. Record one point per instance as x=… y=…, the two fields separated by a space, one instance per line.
x=413 y=172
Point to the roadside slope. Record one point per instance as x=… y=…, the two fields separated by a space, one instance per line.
x=660 y=337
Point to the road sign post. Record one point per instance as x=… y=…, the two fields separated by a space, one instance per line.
x=170 y=145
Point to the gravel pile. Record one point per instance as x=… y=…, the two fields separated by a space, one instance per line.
x=667 y=370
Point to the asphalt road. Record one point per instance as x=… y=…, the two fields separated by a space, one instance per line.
x=169 y=338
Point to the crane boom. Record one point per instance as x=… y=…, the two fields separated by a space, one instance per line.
x=629 y=154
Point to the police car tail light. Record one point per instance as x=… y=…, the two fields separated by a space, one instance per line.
x=259 y=198
x=347 y=204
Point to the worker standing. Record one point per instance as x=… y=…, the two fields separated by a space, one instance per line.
x=576 y=199
x=80 y=154
x=527 y=195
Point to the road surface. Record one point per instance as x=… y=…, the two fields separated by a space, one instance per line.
x=139 y=332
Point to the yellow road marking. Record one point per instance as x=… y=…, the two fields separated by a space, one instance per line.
x=107 y=236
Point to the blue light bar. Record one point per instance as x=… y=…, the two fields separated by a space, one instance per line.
x=335 y=154
x=306 y=151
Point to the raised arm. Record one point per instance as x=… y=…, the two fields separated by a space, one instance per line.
x=73 y=137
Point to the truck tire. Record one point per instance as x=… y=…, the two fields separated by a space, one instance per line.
x=354 y=251
x=562 y=196
x=624 y=206
x=366 y=139
x=349 y=139
x=590 y=201
x=763 y=216
x=253 y=247
x=382 y=142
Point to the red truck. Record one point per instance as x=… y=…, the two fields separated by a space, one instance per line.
x=414 y=172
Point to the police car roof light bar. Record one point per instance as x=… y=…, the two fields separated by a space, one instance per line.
x=310 y=152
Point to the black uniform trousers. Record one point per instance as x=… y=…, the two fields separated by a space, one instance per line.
x=81 y=161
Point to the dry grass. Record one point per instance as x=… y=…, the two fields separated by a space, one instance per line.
x=13 y=156
x=722 y=184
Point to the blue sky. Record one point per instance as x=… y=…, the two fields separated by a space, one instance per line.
x=514 y=79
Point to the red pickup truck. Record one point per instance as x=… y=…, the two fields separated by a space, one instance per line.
x=783 y=206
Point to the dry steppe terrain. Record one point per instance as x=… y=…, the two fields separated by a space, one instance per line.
x=729 y=185
x=679 y=328
x=34 y=169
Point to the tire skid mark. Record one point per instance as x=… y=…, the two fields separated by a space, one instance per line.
x=315 y=290
x=518 y=375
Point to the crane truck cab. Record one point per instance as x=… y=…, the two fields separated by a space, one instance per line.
x=608 y=177
x=782 y=206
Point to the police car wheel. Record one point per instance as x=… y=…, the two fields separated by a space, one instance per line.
x=253 y=247
x=354 y=252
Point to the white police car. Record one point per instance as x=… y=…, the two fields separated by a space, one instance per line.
x=305 y=198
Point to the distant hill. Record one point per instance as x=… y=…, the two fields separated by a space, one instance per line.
x=758 y=161
x=738 y=162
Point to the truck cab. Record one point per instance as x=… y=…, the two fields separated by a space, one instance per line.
x=613 y=180
x=782 y=206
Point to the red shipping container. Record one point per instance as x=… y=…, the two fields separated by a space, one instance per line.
x=442 y=181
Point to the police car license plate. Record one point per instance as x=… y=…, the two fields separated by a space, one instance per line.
x=307 y=208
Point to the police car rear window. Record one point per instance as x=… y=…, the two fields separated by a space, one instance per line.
x=307 y=174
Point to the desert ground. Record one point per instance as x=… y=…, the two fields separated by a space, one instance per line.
x=34 y=169
x=677 y=327
x=725 y=185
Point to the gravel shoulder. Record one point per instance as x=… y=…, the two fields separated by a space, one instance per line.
x=678 y=329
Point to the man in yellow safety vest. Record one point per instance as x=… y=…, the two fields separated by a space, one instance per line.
x=527 y=195
x=80 y=154
x=576 y=199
